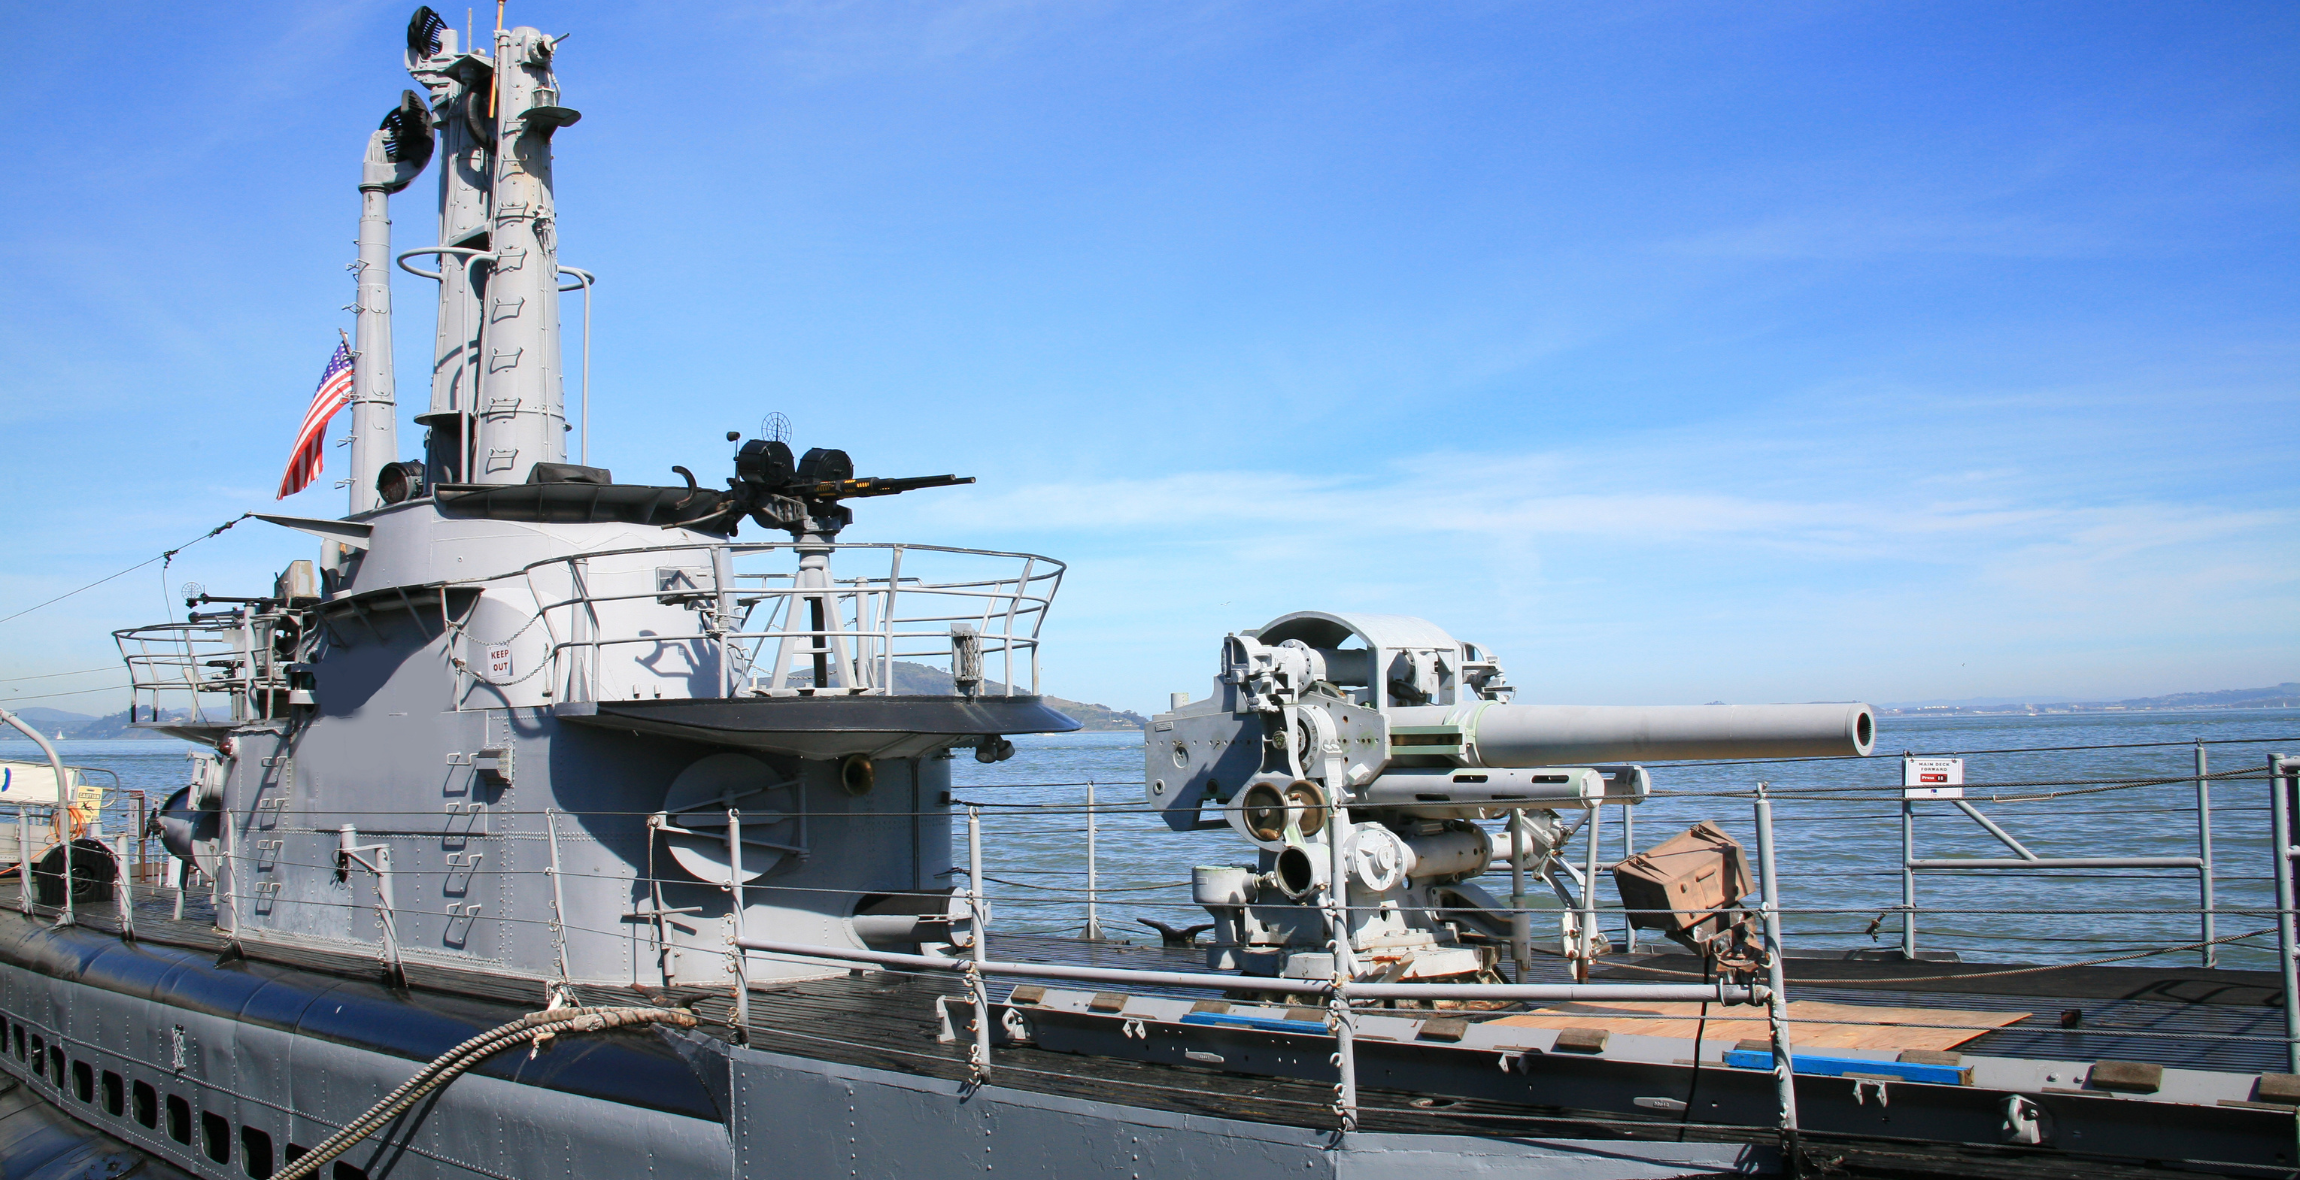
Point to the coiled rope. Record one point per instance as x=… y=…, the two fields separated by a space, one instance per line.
x=534 y=1028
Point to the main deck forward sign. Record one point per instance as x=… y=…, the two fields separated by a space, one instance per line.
x=1932 y=778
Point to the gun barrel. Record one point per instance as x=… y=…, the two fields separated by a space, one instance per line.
x=877 y=486
x=1501 y=735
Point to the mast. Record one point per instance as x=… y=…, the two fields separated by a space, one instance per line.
x=522 y=418
x=459 y=82
x=396 y=153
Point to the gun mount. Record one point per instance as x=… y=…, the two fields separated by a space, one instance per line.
x=802 y=496
x=1361 y=756
x=770 y=488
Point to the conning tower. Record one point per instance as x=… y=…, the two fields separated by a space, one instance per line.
x=524 y=715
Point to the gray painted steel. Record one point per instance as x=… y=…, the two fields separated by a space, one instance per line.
x=550 y=741
x=872 y=1123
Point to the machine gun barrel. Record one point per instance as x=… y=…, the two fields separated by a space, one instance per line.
x=844 y=489
x=1500 y=735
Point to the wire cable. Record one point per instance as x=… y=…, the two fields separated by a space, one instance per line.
x=163 y=558
x=2169 y=950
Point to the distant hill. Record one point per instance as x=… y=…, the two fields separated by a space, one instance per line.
x=923 y=680
x=1101 y=718
x=80 y=726
x=909 y=678
x=2280 y=696
x=41 y=715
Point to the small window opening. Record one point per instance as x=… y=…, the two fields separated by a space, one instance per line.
x=256 y=1153
x=147 y=1104
x=344 y=1171
x=216 y=1134
x=83 y=1081
x=39 y=1058
x=179 y=1120
x=115 y=1094
x=56 y=1064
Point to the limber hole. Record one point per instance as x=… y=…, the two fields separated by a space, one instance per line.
x=216 y=1130
x=256 y=1153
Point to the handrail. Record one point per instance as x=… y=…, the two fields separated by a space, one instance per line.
x=230 y=656
x=433 y=275
x=1716 y=993
x=589 y=280
x=741 y=548
x=1008 y=608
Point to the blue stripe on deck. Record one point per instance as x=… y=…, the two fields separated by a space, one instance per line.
x=1807 y=1063
x=1315 y=1028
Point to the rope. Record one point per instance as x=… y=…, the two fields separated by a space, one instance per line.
x=2169 y=950
x=535 y=1028
x=166 y=557
x=55 y=675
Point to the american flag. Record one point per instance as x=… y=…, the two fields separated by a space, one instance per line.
x=310 y=440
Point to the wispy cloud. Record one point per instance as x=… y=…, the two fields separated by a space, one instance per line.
x=1860 y=236
x=1649 y=581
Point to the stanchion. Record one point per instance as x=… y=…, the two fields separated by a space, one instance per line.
x=2281 y=772
x=1093 y=931
x=24 y=857
x=1520 y=922
x=979 y=914
x=1345 y=1059
x=1777 y=1004
x=735 y=891
x=1587 y=936
x=2211 y=948
x=127 y=890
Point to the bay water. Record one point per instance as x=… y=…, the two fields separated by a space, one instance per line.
x=2062 y=784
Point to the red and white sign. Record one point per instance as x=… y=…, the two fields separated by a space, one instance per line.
x=499 y=661
x=1932 y=778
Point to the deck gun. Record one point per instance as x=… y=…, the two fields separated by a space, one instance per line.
x=1366 y=754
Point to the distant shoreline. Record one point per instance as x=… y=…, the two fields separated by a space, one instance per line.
x=2076 y=710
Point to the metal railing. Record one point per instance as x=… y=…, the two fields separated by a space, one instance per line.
x=2283 y=800
x=2131 y=805
x=1854 y=875
x=41 y=827
x=2024 y=859
x=1339 y=992
x=181 y=663
x=973 y=961
x=788 y=631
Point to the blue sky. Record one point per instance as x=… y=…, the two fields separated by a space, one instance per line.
x=1676 y=352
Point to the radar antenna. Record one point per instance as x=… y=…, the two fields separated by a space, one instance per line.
x=423 y=34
